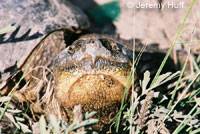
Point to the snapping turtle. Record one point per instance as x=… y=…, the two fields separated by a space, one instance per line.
x=93 y=71
x=45 y=22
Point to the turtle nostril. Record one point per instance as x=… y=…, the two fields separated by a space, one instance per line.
x=71 y=50
x=115 y=48
x=94 y=44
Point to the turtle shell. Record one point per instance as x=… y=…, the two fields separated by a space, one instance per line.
x=33 y=21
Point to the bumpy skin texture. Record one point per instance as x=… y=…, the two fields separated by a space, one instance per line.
x=92 y=72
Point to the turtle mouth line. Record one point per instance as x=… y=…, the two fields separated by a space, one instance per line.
x=99 y=63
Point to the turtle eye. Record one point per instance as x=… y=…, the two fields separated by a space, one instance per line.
x=91 y=41
x=110 y=45
x=106 y=43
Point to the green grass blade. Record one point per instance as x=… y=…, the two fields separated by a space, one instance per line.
x=197 y=131
x=187 y=119
x=188 y=42
x=178 y=82
x=173 y=44
x=181 y=96
x=6 y=106
x=118 y=116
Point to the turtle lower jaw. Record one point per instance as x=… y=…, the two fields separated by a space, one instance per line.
x=94 y=91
